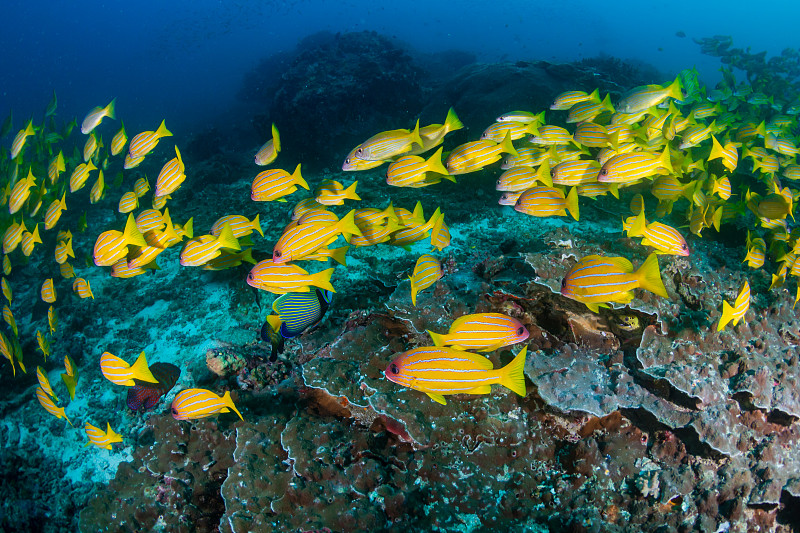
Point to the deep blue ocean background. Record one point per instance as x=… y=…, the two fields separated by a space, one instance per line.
x=186 y=59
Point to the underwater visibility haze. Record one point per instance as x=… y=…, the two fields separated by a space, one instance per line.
x=342 y=267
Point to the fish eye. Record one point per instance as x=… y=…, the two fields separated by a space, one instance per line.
x=359 y=151
x=250 y=275
x=347 y=161
x=684 y=246
x=174 y=411
x=563 y=283
x=603 y=172
x=393 y=369
x=520 y=330
x=277 y=254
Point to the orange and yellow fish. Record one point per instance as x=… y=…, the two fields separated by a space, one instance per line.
x=281 y=278
x=100 y=438
x=274 y=184
x=439 y=371
x=427 y=271
x=191 y=404
x=119 y=372
x=269 y=151
x=596 y=280
x=49 y=406
x=484 y=332
x=734 y=313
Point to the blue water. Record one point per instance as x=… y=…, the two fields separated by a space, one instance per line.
x=186 y=59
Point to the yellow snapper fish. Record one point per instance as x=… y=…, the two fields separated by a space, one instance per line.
x=79 y=176
x=241 y=226
x=144 y=142
x=736 y=311
x=53 y=213
x=29 y=240
x=100 y=438
x=171 y=177
x=388 y=144
x=633 y=166
x=6 y=290
x=119 y=141
x=728 y=153
x=19 y=140
x=112 y=245
x=305 y=239
x=96 y=115
x=332 y=192
x=47 y=402
x=97 y=191
x=646 y=96
x=567 y=99
x=596 y=280
x=63 y=249
x=44 y=383
x=128 y=202
x=56 y=167
x=13 y=236
x=269 y=151
x=475 y=155
x=191 y=404
x=541 y=201
x=90 y=147
x=282 y=278
x=201 y=250
x=20 y=193
x=141 y=187
x=274 y=184
x=665 y=239
x=439 y=371
x=118 y=372
x=409 y=170
x=427 y=271
x=82 y=288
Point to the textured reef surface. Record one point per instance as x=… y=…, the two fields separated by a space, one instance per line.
x=663 y=425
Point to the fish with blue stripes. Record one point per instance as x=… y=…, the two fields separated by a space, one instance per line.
x=734 y=313
x=295 y=313
x=439 y=371
x=484 y=332
x=47 y=402
x=665 y=239
x=427 y=271
x=596 y=280
x=117 y=371
x=191 y=404
x=100 y=438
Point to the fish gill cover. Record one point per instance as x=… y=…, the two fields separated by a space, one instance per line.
x=584 y=320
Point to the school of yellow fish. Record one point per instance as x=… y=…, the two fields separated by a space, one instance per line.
x=681 y=144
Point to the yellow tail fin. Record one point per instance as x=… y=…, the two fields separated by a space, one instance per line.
x=226 y=238
x=649 y=276
x=727 y=316
x=227 y=400
x=415 y=138
x=452 y=122
x=276 y=139
x=572 y=203
x=323 y=280
x=434 y=163
x=512 y=376
x=162 y=130
x=141 y=370
x=347 y=225
x=507 y=146
x=297 y=178
x=350 y=192
x=438 y=338
x=132 y=235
